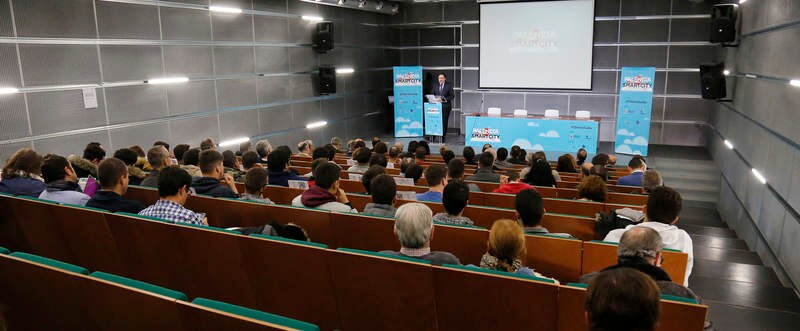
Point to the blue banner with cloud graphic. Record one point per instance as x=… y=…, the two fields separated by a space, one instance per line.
x=633 y=113
x=408 y=101
x=535 y=134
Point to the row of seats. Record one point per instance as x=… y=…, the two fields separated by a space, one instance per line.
x=45 y=294
x=335 y=289
x=564 y=259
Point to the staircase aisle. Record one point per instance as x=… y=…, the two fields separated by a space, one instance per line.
x=742 y=293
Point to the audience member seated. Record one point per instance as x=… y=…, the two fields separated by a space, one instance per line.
x=637 y=168
x=179 y=151
x=173 y=190
x=566 y=163
x=586 y=168
x=337 y=143
x=231 y=165
x=530 y=211
x=612 y=160
x=485 y=147
x=601 y=159
x=362 y=156
x=366 y=178
x=314 y=164
x=484 y=172
x=62 y=182
x=305 y=148
x=256 y=179
x=326 y=193
x=512 y=185
x=414 y=171
x=263 y=148
x=215 y=182
x=141 y=157
x=663 y=207
x=622 y=299
x=413 y=227
x=507 y=250
x=278 y=166
x=581 y=156
x=447 y=155
x=207 y=144
x=87 y=166
x=158 y=157
x=384 y=193
x=455 y=171
x=243 y=148
x=515 y=158
x=502 y=156
x=540 y=174
x=250 y=160
x=394 y=157
x=641 y=248
x=424 y=144
x=543 y=157
x=191 y=160
x=378 y=159
x=375 y=141
x=129 y=157
x=592 y=188
x=113 y=177
x=419 y=156
x=455 y=199
x=469 y=155
x=436 y=175
x=322 y=152
x=380 y=148
x=22 y=174
x=650 y=180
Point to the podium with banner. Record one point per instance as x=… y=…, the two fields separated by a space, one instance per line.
x=433 y=119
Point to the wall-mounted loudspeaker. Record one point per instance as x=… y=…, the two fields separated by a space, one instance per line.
x=724 y=23
x=327 y=80
x=712 y=80
x=323 y=37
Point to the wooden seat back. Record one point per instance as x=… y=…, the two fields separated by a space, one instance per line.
x=599 y=255
x=554 y=257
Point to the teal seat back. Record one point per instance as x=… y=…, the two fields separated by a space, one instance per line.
x=256 y=314
x=50 y=262
x=140 y=285
x=396 y=257
x=292 y=241
x=499 y=273
x=4 y=250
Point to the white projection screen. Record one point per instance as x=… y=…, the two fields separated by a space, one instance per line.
x=536 y=45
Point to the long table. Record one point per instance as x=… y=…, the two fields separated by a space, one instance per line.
x=532 y=133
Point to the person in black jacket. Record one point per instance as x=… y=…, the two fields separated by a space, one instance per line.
x=113 y=177
x=444 y=89
x=215 y=182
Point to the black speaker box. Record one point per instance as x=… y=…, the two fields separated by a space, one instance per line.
x=327 y=80
x=323 y=37
x=724 y=19
x=712 y=80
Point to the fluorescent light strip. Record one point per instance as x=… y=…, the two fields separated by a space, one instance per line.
x=234 y=142
x=795 y=82
x=751 y=76
x=316 y=124
x=167 y=80
x=312 y=18
x=728 y=144
x=345 y=70
x=8 y=90
x=759 y=176
x=228 y=10
x=726 y=72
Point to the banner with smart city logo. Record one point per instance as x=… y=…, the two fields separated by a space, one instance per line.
x=534 y=134
x=408 y=101
x=633 y=113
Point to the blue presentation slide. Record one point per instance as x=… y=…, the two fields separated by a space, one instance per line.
x=433 y=119
x=635 y=108
x=532 y=133
x=408 y=101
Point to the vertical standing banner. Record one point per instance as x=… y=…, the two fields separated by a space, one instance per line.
x=408 y=101
x=433 y=119
x=633 y=113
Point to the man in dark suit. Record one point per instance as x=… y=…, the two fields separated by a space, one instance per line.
x=444 y=89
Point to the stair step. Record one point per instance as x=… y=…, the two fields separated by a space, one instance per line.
x=718 y=242
x=745 y=294
x=729 y=317
x=708 y=230
x=727 y=255
x=741 y=272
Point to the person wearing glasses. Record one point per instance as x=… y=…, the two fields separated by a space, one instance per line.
x=173 y=189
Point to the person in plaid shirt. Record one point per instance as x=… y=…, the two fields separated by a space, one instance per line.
x=173 y=188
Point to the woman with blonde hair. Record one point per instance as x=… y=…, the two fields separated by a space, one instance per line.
x=506 y=249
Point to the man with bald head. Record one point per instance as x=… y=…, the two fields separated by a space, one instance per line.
x=641 y=248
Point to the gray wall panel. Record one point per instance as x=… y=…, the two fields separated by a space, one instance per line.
x=271 y=5
x=193 y=97
x=6 y=28
x=645 y=30
x=63 y=110
x=74 y=19
x=192 y=131
x=14 y=121
x=66 y=64
x=460 y=11
x=271 y=89
x=67 y=145
x=232 y=27
x=239 y=124
x=121 y=20
x=143 y=136
x=136 y=103
x=9 y=66
x=606 y=8
x=201 y=64
x=507 y=102
x=185 y=24
x=275 y=119
x=123 y=63
x=271 y=29
x=233 y=60
x=236 y=92
x=649 y=7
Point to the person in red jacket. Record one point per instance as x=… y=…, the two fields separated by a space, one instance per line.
x=512 y=185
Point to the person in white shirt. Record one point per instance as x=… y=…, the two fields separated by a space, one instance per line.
x=663 y=207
